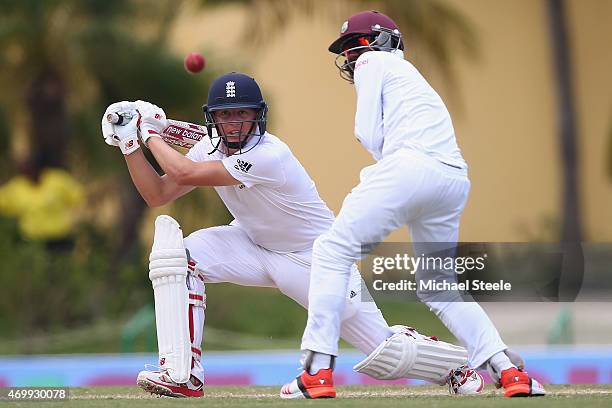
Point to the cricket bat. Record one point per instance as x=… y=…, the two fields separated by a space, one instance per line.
x=178 y=133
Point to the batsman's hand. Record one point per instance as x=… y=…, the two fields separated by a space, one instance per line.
x=110 y=131
x=153 y=120
x=126 y=136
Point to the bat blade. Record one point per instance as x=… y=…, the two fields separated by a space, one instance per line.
x=183 y=134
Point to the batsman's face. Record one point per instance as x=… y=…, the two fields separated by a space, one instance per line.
x=235 y=123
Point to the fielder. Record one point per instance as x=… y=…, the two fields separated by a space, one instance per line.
x=420 y=179
x=278 y=214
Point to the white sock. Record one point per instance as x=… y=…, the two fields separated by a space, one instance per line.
x=501 y=362
x=320 y=361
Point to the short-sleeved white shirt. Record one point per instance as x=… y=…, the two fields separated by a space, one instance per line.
x=277 y=203
x=397 y=108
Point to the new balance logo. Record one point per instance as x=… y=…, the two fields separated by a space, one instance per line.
x=243 y=166
x=230 y=89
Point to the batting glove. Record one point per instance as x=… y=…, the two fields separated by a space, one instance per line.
x=124 y=108
x=126 y=136
x=152 y=120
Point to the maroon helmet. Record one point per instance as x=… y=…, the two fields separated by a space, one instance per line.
x=364 y=31
x=364 y=23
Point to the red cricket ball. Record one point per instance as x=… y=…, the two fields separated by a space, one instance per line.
x=194 y=62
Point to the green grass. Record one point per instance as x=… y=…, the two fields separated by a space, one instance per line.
x=560 y=396
x=105 y=337
x=237 y=318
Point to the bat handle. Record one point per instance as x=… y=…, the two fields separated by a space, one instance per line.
x=119 y=118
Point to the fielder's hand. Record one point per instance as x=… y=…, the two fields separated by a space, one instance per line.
x=109 y=130
x=152 y=120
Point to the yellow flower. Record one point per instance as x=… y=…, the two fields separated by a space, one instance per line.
x=45 y=210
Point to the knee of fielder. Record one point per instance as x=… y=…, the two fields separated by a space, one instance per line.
x=329 y=251
x=329 y=274
x=438 y=302
x=432 y=297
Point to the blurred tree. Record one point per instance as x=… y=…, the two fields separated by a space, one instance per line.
x=63 y=61
x=571 y=229
x=571 y=224
x=609 y=155
x=4 y=144
x=434 y=31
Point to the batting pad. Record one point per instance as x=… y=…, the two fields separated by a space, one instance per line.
x=408 y=354
x=168 y=273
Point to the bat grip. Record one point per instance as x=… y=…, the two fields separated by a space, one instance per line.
x=119 y=118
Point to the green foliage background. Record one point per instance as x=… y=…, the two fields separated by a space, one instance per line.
x=74 y=57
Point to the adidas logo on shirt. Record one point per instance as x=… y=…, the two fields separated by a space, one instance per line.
x=243 y=166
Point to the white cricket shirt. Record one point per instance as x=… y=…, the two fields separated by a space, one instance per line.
x=397 y=108
x=277 y=203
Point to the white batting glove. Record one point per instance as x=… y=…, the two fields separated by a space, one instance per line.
x=152 y=120
x=107 y=127
x=126 y=136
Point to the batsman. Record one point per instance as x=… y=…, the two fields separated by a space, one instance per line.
x=277 y=213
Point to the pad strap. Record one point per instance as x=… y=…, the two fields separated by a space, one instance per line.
x=197 y=305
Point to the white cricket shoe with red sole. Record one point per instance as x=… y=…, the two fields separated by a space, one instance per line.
x=160 y=383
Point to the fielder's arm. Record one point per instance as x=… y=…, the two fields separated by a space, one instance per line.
x=156 y=190
x=185 y=172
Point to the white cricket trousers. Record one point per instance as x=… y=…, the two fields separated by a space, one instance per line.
x=227 y=254
x=406 y=187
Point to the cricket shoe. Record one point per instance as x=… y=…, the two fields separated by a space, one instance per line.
x=160 y=383
x=319 y=385
x=517 y=383
x=464 y=381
